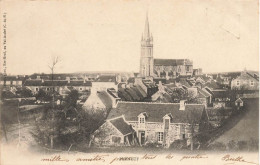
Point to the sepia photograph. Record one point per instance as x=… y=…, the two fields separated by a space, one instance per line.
x=129 y=82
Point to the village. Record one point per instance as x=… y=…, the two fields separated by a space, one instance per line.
x=167 y=104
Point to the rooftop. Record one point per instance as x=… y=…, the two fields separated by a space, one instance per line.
x=121 y=125
x=156 y=111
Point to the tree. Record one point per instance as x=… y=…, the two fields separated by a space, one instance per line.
x=54 y=62
x=71 y=99
x=24 y=92
x=179 y=94
x=49 y=126
x=43 y=96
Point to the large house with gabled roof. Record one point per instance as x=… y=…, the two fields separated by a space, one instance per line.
x=161 y=123
x=246 y=81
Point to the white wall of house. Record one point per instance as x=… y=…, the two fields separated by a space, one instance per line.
x=247 y=83
x=103 y=86
x=94 y=102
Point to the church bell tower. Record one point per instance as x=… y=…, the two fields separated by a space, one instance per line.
x=146 y=60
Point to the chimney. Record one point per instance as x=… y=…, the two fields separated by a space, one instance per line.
x=68 y=79
x=118 y=78
x=123 y=85
x=182 y=105
x=38 y=77
x=160 y=87
x=138 y=81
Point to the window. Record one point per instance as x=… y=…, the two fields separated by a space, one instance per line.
x=37 y=89
x=48 y=89
x=238 y=83
x=183 y=136
x=80 y=89
x=252 y=83
x=141 y=120
x=160 y=136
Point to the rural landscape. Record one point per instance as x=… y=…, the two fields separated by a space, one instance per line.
x=169 y=104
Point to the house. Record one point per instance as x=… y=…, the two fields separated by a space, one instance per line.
x=182 y=82
x=162 y=95
x=98 y=101
x=103 y=82
x=132 y=93
x=246 y=81
x=63 y=87
x=112 y=93
x=204 y=97
x=220 y=98
x=197 y=72
x=147 y=85
x=239 y=103
x=12 y=81
x=161 y=123
x=114 y=132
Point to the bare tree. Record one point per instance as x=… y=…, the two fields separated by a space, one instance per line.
x=54 y=62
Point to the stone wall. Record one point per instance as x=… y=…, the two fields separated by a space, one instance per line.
x=175 y=132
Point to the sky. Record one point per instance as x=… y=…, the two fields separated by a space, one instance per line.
x=218 y=35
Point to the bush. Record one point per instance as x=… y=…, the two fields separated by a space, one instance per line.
x=232 y=145
x=24 y=92
x=242 y=145
x=153 y=145
x=253 y=145
x=218 y=146
x=179 y=144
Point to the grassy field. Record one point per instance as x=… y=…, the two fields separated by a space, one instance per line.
x=244 y=127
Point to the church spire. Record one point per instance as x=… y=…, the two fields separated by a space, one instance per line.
x=146 y=28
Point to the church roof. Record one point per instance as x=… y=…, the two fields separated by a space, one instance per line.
x=169 y=62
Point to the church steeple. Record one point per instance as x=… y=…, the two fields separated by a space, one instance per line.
x=146 y=61
x=146 y=29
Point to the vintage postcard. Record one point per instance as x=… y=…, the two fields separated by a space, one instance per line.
x=129 y=82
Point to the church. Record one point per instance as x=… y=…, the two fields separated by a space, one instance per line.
x=160 y=68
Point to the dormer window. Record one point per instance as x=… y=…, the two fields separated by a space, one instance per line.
x=141 y=119
x=252 y=83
